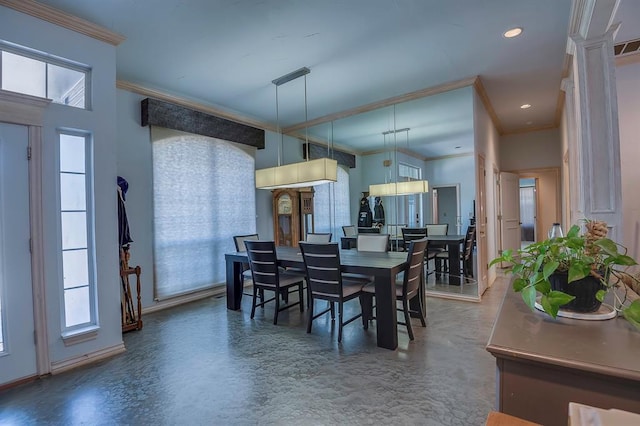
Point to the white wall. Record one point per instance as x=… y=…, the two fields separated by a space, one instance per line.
x=531 y=150
x=628 y=87
x=100 y=121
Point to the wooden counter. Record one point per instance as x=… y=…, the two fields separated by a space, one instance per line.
x=545 y=363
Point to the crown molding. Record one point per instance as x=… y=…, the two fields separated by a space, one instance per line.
x=441 y=88
x=482 y=94
x=63 y=19
x=531 y=129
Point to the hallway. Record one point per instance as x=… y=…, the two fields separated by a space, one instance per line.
x=199 y=364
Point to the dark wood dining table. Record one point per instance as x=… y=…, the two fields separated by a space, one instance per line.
x=383 y=266
x=451 y=242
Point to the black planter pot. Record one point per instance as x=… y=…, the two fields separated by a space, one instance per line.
x=584 y=290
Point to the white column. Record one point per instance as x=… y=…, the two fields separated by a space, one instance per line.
x=596 y=184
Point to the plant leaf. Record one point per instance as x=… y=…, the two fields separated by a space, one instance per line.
x=543 y=286
x=600 y=295
x=529 y=296
x=573 y=232
x=549 y=268
x=549 y=307
x=607 y=245
x=632 y=313
x=625 y=260
x=519 y=284
x=578 y=270
x=559 y=297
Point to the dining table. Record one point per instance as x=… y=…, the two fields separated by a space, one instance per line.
x=384 y=267
x=452 y=243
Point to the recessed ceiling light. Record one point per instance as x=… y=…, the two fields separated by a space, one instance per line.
x=525 y=106
x=458 y=147
x=513 y=32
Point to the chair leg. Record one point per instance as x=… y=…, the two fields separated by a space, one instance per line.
x=366 y=305
x=340 y=308
x=275 y=315
x=407 y=317
x=421 y=311
x=253 y=301
x=310 y=320
x=333 y=311
x=301 y=297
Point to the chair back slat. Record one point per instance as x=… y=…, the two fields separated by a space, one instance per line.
x=322 y=262
x=468 y=241
x=410 y=234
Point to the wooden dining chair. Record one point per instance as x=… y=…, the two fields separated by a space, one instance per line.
x=466 y=255
x=268 y=276
x=325 y=281
x=318 y=237
x=410 y=234
x=239 y=240
x=410 y=286
x=373 y=242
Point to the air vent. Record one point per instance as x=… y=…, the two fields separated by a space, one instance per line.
x=626 y=48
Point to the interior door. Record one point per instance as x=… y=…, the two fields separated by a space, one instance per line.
x=17 y=347
x=510 y=211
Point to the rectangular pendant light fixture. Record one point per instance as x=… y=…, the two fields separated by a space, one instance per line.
x=297 y=175
x=399 y=188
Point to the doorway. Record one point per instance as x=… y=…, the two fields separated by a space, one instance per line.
x=445 y=202
x=17 y=346
x=528 y=211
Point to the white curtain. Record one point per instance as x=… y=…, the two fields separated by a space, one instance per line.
x=203 y=190
x=331 y=206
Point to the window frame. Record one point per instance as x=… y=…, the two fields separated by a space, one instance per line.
x=79 y=332
x=50 y=59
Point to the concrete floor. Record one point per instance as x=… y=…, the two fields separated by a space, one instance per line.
x=200 y=364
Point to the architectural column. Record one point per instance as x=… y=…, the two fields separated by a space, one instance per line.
x=597 y=193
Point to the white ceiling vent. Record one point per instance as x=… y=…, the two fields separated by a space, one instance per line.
x=627 y=48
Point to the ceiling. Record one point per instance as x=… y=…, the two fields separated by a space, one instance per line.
x=225 y=53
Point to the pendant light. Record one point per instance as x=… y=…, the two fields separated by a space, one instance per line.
x=399 y=188
x=301 y=174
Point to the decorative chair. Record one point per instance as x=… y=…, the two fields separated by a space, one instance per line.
x=410 y=285
x=268 y=276
x=410 y=234
x=325 y=281
x=349 y=231
x=373 y=242
x=239 y=240
x=466 y=257
x=319 y=237
x=438 y=250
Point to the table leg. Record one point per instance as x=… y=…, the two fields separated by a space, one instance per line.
x=455 y=272
x=386 y=320
x=234 y=284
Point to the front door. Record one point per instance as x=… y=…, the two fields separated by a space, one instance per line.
x=17 y=347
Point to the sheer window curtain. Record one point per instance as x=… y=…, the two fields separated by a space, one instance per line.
x=203 y=196
x=332 y=208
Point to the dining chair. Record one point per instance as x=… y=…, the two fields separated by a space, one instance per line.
x=410 y=286
x=268 y=276
x=373 y=242
x=349 y=231
x=411 y=234
x=318 y=237
x=466 y=256
x=325 y=281
x=239 y=240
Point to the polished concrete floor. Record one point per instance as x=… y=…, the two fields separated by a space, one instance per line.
x=200 y=364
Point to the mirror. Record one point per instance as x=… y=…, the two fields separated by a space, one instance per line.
x=437 y=143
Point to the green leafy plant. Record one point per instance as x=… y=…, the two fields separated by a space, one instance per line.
x=579 y=255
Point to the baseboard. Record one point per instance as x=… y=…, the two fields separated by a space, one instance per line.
x=179 y=300
x=71 y=363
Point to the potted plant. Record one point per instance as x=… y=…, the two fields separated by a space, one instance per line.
x=574 y=272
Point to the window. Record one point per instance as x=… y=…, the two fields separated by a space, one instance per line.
x=410 y=206
x=38 y=74
x=331 y=205
x=203 y=191
x=77 y=230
